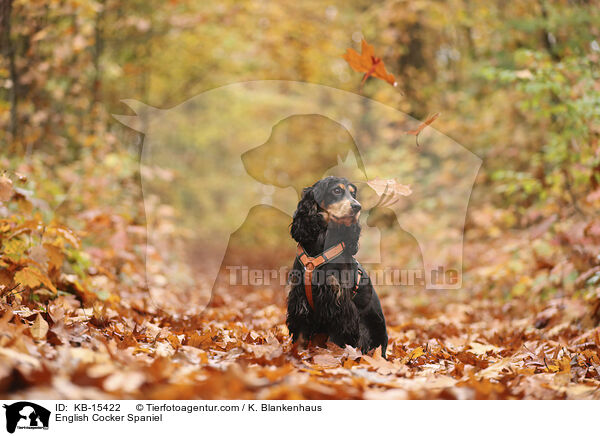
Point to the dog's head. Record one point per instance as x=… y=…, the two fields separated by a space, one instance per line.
x=302 y=149
x=330 y=205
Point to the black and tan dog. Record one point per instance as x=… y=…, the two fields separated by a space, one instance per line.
x=330 y=291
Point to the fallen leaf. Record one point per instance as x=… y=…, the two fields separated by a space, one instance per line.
x=39 y=329
x=416 y=353
x=324 y=361
x=38 y=255
x=28 y=277
x=380 y=365
x=32 y=278
x=494 y=370
x=55 y=256
x=482 y=349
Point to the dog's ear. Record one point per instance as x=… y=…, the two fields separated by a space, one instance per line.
x=305 y=225
x=318 y=191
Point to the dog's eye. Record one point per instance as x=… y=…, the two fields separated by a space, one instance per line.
x=338 y=191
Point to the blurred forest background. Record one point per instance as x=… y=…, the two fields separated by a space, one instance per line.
x=518 y=84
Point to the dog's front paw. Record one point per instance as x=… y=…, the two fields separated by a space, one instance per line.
x=299 y=340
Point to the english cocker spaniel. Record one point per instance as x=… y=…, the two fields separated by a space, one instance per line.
x=330 y=291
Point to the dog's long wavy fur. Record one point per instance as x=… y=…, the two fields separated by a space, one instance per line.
x=346 y=316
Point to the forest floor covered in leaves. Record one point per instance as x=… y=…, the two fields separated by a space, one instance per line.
x=444 y=345
x=78 y=322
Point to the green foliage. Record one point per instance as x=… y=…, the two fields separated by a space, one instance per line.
x=562 y=99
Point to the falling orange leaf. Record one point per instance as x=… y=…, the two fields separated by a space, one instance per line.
x=366 y=62
x=325 y=361
x=389 y=186
x=389 y=191
x=422 y=126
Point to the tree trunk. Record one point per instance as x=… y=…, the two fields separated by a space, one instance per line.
x=98 y=47
x=9 y=52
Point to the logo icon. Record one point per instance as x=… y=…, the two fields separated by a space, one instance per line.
x=26 y=415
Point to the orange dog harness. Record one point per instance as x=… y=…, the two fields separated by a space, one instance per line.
x=310 y=263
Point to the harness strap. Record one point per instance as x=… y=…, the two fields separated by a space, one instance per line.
x=310 y=263
x=358 y=279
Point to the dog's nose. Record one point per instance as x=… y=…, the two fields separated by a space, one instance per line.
x=356 y=206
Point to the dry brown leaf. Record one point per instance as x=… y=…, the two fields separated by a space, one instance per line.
x=38 y=255
x=493 y=371
x=28 y=277
x=32 y=278
x=39 y=329
x=482 y=349
x=55 y=256
x=381 y=365
x=325 y=361
x=391 y=186
x=416 y=353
